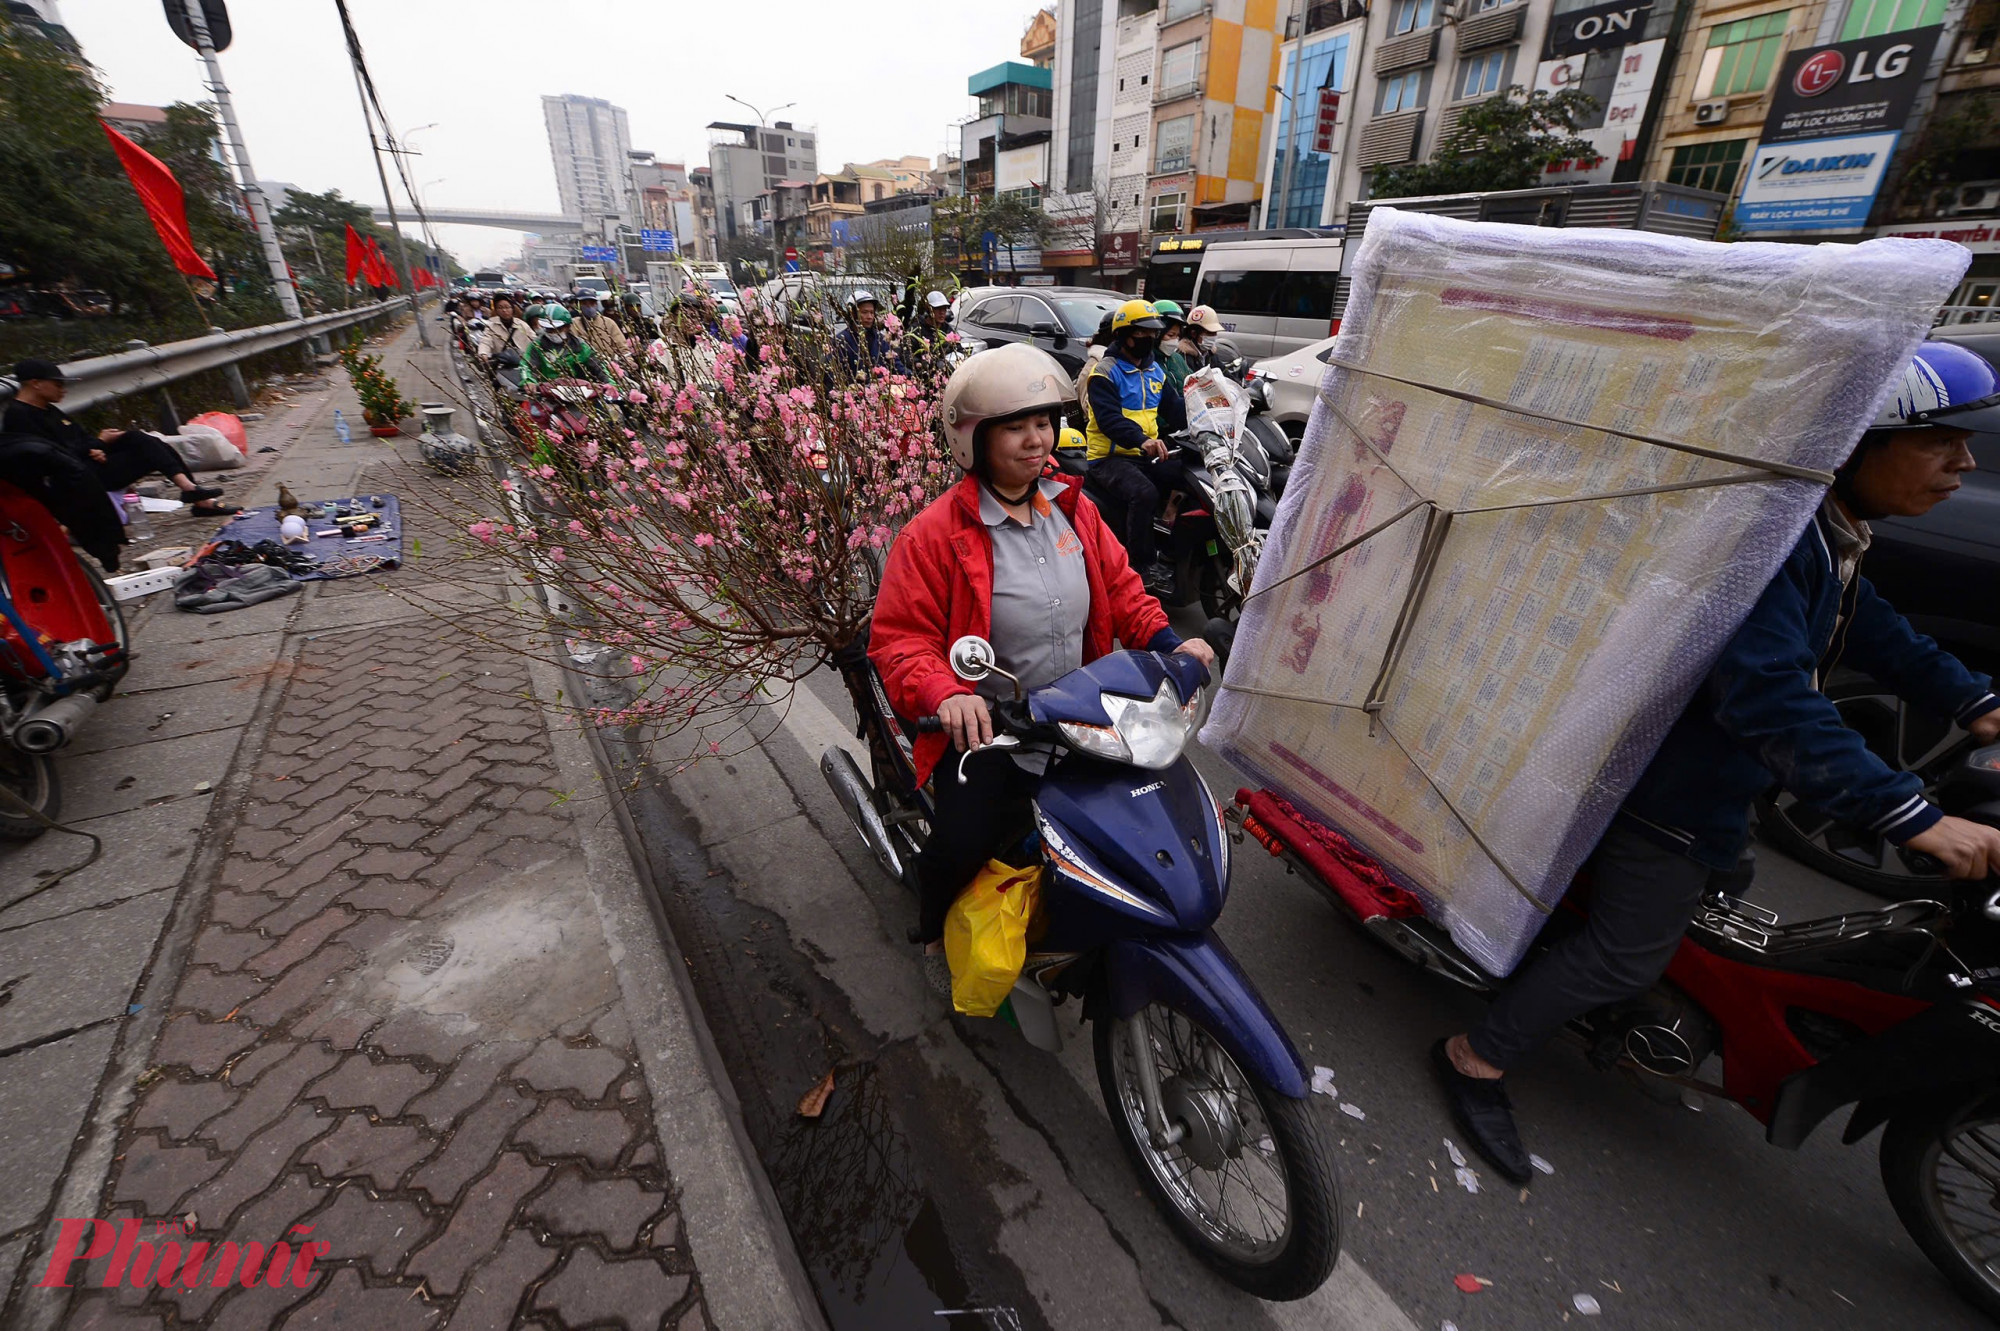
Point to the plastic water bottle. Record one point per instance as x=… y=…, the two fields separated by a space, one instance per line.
x=137 y=525
x=341 y=431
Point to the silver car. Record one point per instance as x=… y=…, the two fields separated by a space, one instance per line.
x=1289 y=383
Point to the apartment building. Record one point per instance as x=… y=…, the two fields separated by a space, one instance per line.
x=1319 y=60
x=590 y=144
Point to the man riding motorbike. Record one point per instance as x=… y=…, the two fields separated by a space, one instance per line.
x=924 y=345
x=505 y=331
x=1051 y=593
x=557 y=353
x=601 y=331
x=1759 y=720
x=1202 y=342
x=861 y=345
x=1131 y=405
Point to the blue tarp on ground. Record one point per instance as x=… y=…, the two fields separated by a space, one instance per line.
x=261 y=524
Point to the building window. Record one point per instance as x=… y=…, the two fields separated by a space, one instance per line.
x=1167 y=210
x=1180 y=9
x=1872 y=18
x=1710 y=166
x=1180 y=69
x=1173 y=145
x=1741 y=55
x=1409 y=15
x=1315 y=64
x=1402 y=92
x=1480 y=75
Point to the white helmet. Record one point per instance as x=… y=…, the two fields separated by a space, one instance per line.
x=1008 y=380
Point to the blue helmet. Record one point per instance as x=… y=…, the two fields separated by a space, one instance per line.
x=1944 y=384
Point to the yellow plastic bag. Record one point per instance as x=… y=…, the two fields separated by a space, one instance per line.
x=986 y=936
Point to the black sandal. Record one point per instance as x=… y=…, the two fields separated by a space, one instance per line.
x=209 y=509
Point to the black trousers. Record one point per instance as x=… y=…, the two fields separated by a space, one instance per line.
x=1643 y=897
x=133 y=455
x=973 y=822
x=1134 y=492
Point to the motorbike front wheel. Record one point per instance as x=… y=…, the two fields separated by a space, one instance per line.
x=1250 y=1185
x=1941 y=1167
x=30 y=795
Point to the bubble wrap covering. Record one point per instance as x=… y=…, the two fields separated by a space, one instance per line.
x=1557 y=635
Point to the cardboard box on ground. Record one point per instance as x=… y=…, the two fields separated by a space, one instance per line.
x=1558 y=468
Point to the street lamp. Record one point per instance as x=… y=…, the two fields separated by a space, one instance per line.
x=777 y=257
x=1291 y=123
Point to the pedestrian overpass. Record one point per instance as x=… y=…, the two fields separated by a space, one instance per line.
x=541 y=223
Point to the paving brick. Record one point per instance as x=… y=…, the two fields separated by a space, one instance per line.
x=302 y=983
x=276 y=1090
x=299 y=944
x=344 y=1302
x=309 y=901
x=336 y=1023
x=378 y=1230
x=100 y=1312
x=615 y=1208
x=446 y=811
x=461 y=831
x=391 y=863
x=399 y=783
x=181 y=1106
x=312 y=871
x=477 y=1140
x=612 y=1030
x=411 y=1033
x=379 y=1152
x=476 y=1224
x=446 y=782
x=555 y=1066
x=225 y=949
x=240 y=871
x=247 y=1067
x=369 y=933
x=203 y=1046
x=383 y=1087
x=257 y=1165
x=400 y=899
x=589 y=1289
x=477 y=1071
x=494 y=1290
x=255 y=1309
x=596 y=1135
x=215 y=993
x=402 y=808
x=260 y=843
x=694 y=1319
x=156 y=1177
x=239 y=910
x=397 y=836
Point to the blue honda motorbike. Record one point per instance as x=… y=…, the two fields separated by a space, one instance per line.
x=1204 y=1090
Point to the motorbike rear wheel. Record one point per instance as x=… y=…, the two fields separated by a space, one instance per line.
x=31 y=779
x=116 y=615
x=1242 y=1140
x=1941 y=1168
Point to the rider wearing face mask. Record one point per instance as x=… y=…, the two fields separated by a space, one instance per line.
x=1132 y=405
x=557 y=353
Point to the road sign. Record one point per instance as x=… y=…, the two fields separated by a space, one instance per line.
x=213 y=13
x=791 y=253
x=1329 y=113
x=599 y=253
x=658 y=242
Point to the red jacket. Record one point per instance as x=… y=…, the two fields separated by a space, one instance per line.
x=939 y=587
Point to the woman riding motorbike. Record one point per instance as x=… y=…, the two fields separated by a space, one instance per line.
x=1020 y=558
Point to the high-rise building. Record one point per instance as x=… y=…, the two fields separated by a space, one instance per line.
x=591 y=146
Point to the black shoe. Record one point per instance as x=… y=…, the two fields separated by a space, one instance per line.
x=1480 y=1108
x=202 y=492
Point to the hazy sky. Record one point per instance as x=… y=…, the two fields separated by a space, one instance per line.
x=878 y=78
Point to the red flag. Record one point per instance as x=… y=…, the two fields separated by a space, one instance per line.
x=161 y=196
x=383 y=275
x=357 y=255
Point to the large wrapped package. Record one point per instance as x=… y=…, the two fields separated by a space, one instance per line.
x=1547 y=475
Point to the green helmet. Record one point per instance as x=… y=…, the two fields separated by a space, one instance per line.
x=555 y=316
x=533 y=313
x=1170 y=310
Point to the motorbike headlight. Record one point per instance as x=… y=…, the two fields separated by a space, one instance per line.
x=1146 y=732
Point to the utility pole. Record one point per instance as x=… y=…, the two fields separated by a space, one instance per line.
x=381 y=173
x=253 y=194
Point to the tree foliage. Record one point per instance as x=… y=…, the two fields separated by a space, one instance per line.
x=1505 y=142
x=313 y=230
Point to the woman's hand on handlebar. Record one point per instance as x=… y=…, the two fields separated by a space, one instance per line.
x=1199 y=649
x=967 y=720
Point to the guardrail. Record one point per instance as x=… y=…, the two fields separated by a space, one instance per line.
x=104 y=378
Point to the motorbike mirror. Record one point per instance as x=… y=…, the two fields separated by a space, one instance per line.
x=972 y=658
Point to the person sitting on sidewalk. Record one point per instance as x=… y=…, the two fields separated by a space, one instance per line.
x=118 y=457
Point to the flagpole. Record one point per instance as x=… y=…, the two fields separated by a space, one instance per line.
x=375 y=147
x=253 y=194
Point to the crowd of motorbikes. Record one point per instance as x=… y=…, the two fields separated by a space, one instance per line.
x=1894 y=1011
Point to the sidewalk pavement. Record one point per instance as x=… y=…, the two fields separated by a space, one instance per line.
x=366 y=964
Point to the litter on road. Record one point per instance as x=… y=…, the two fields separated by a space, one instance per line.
x=1541 y=1166
x=1352 y=1111
x=1467 y=1179
x=1586 y=1304
x=1451 y=1149
x=813 y=1103
x=1323 y=1083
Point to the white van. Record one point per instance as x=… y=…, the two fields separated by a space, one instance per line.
x=1273 y=296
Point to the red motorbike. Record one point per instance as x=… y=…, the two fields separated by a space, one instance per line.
x=1894 y=1011
x=62 y=651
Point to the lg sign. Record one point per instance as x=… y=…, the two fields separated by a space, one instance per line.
x=1823 y=70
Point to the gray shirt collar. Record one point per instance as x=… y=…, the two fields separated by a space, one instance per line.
x=992 y=514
